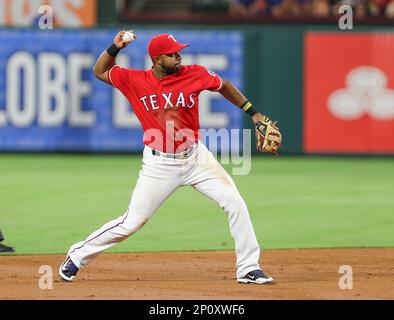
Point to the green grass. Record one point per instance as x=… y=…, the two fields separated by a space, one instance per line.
x=48 y=202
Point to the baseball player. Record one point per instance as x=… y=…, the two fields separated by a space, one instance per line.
x=165 y=100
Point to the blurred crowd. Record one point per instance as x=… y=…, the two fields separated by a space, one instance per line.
x=310 y=8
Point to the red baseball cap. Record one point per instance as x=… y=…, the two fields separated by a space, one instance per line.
x=164 y=44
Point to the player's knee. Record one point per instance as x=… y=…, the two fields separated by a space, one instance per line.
x=135 y=222
x=232 y=202
x=239 y=205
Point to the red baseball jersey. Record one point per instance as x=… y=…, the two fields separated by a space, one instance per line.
x=166 y=107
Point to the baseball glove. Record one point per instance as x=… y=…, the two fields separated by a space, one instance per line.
x=268 y=136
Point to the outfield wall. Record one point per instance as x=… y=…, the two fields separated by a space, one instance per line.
x=331 y=90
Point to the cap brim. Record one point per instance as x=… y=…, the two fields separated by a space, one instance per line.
x=176 y=48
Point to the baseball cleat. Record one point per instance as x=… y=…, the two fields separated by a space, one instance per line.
x=68 y=270
x=4 y=248
x=256 y=276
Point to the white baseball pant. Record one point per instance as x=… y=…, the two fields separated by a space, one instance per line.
x=158 y=179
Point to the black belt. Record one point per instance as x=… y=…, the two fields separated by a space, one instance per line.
x=181 y=155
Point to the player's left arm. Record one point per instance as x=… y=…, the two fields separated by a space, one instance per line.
x=235 y=96
x=268 y=136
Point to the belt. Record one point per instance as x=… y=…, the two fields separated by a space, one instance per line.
x=181 y=155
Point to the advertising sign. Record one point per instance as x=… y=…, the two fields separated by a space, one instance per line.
x=66 y=13
x=349 y=93
x=50 y=99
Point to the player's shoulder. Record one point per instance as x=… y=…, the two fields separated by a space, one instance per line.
x=128 y=70
x=194 y=68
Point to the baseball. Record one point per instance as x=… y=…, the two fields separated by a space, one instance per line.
x=128 y=36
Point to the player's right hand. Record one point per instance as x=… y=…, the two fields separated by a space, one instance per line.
x=118 y=41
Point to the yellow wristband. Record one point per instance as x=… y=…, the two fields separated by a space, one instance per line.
x=247 y=107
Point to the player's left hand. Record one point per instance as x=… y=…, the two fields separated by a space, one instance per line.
x=268 y=136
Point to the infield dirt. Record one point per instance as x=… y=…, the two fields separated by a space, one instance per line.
x=298 y=274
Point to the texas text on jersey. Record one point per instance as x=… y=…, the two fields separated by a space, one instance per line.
x=168 y=104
